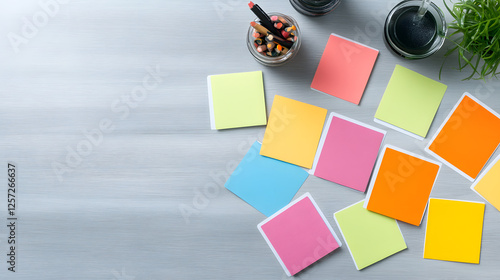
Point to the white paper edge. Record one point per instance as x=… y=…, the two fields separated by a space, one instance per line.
x=375 y=174
x=356 y=42
x=259 y=227
x=461 y=200
x=426 y=226
x=325 y=220
x=443 y=124
x=481 y=175
x=398 y=129
x=211 y=104
x=402 y=235
x=321 y=143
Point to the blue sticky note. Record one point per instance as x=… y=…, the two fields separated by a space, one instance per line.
x=265 y=183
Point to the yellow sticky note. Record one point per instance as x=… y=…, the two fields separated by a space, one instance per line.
x=488 y=184
x=293 y=131
x=454 y=230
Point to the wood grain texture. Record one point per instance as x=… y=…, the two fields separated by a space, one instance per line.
x=116 y=213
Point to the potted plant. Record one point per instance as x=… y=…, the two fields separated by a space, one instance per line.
x=476 y=36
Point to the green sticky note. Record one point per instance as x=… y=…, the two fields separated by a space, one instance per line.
x=370 y=237
x=236 y=100
x=410 y=102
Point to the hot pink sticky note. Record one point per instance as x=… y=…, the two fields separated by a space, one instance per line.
x=344 y=69
x=347 y=152
x=299 y=234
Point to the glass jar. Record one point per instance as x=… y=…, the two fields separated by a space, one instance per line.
x=277 y=60
x=411 y=38
x=314 y=7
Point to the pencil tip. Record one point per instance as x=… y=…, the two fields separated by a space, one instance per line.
x=250 y=4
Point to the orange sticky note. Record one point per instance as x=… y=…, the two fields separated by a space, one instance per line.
x=487 y=184
x=344 y=69
x=454 y=230
x=402 y=185
x=468 y=137
x=293 y=131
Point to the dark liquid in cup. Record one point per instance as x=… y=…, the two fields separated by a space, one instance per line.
x=411 y=34
x=314 y=7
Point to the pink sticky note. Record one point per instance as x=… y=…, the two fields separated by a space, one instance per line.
x=347 y=152
x=299 y=234
x=344 y=69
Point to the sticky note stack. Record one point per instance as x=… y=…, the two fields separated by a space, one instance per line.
x=236 y=100
x=370 y=237
x=468 y=137
x=347 y=152
x=299 y=234
x=344 y=69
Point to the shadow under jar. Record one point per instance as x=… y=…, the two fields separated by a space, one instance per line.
x=314 y=7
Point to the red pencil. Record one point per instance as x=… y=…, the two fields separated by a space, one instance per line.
x=284 y=34
x=257 y=35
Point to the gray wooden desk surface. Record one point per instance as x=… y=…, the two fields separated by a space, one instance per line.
x=104 y=110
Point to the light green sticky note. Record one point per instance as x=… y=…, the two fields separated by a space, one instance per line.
x=236 y=100
x=410 y=102
x=370 y=237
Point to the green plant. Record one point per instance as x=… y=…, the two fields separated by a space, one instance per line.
x=476 y=36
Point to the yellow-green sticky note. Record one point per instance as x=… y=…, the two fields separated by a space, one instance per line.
x=454 y=230
x=410 y=102
x=236 y=100
x=487 y=184
x=370 y=237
